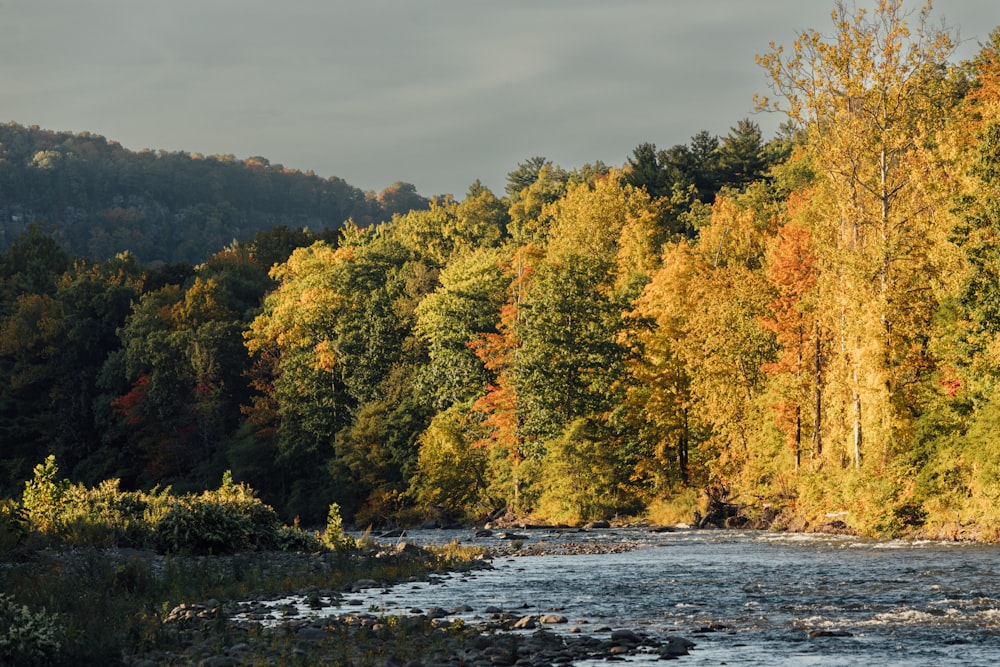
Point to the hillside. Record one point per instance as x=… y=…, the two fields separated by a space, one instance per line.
x=99 y=198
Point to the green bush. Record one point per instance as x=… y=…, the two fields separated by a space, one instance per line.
x=215 y=522
x=44 y=498
x=334 y=536
x=293 y=539
x=105 y=516
x=228 y=519
x=13 y=526
x=26 y=637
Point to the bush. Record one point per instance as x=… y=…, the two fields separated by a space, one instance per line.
x=44 y=498
x=105 y=516
x=13 y=526
x=334 y=536
x=26 y=637
x=228 y=519
x=293 y=539
x=216 y=522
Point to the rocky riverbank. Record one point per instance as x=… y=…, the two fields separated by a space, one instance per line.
x=318 y=626
x=203 y=636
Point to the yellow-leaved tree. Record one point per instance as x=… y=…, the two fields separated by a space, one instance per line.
x=872 y=99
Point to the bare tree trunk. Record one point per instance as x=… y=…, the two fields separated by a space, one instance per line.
x=818 y=407
x=857 y=425
x=682 y=450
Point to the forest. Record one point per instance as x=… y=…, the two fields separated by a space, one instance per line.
x=98 y=199
x=807 y=326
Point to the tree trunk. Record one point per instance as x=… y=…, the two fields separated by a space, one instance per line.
x=818 y=407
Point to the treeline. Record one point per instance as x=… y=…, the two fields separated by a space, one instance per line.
x=99 y=199
x=142 y=373
x=808 y=325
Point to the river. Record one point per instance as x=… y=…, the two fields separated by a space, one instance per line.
x=746 y=598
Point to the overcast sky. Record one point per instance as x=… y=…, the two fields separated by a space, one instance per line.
x=437 y=93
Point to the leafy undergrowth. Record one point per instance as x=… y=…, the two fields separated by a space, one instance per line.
x=89 y=575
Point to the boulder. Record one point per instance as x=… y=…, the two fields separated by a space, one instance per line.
x=312 y=634
x=362 y=584
x=512 y=536
x=552 y=619
x=436 y=612
x=395 y=532
x=624 y=636
x=525 y=623
x=830 y=633
x=674 y=647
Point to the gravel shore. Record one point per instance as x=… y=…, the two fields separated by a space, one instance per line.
x=266 y=632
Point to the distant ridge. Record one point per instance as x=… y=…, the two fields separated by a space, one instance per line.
x=98 y=198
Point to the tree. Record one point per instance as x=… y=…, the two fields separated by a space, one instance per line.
x=465 y=305
x=741 y=156
x=871 y=99
x=449 y=228
x=399 y=199
x=792 y=269
x=525 y=175
x=529 y=220
x=333 y=345
x=52 y=348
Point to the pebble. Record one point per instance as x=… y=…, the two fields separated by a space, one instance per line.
x=428 y=638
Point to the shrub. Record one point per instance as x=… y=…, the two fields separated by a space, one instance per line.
x=215 y=522
x=104 y=516
x=334 y=536
x=13 y=526
x=44 y=498
x=26 y=637
x=289 y=538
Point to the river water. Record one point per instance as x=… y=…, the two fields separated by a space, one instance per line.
x=758 y=594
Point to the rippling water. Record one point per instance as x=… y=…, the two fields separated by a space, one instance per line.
x=904 y=603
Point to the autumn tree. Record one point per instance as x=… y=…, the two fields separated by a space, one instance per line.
x=871 y=98
x=793 y=272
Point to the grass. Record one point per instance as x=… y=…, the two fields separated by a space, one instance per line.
x=87 y=557
x=110 y=605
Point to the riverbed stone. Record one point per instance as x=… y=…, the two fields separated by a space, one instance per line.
x=312 y=633
x=552 y=619
x=674 y=647
x=525 y=623
x=830 y=633
x=624 y=635
x=435 y=612
x=362 y=584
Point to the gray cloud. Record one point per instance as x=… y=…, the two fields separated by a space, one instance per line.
x=438 y=92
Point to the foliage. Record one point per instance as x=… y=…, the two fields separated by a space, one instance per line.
x=225 y=520
x=334 y=536
x=26 y=637
x=102 y=199
x=229 y=519
x=451 y=477
x=585 y=477
x=810 y=322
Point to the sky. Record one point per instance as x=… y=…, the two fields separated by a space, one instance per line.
x=437 y=93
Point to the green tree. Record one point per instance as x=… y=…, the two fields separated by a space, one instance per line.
x=334 y=358
x=467 y=303
x=742 y=159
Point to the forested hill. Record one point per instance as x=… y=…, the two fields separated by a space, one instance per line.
x=807 y=327
x=98 y=198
